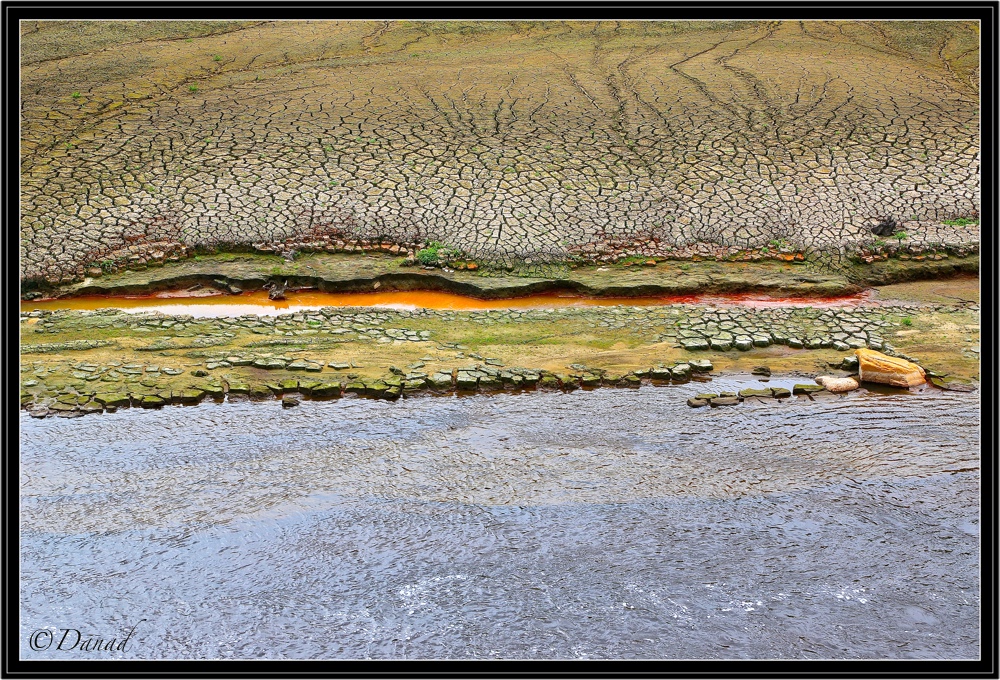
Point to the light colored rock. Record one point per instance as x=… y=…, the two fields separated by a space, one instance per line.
x=659 y=373
x=701 y=365
x=694 y=344
x=880 y=368
x=680 y=372
x=837 y=384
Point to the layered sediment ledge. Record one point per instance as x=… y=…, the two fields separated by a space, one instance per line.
x=72 y=360
x=355 y=273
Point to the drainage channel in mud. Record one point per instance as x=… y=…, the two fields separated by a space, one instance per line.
x=217 y=304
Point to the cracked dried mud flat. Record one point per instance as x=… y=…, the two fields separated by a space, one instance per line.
x=517 y=144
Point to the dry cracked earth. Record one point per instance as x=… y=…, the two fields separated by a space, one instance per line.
x=514 y=142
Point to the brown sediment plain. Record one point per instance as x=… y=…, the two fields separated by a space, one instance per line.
x=514 y=144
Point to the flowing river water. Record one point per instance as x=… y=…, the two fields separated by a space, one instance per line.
x=600 y=524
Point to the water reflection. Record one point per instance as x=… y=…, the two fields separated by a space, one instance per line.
x=257 y=302
x=608 y=524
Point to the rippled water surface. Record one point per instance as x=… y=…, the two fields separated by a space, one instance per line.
x=605 y=524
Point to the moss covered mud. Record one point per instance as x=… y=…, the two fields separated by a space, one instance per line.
x=651 y=276
x=76 y=362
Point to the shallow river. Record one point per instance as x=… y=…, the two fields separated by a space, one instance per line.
x=606 y=524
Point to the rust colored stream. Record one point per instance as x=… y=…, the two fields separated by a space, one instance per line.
x=256 y=302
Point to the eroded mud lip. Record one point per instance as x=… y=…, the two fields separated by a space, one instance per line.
x=209 y=303
x=182 y=294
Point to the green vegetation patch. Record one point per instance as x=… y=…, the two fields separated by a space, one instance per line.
x=434 y=252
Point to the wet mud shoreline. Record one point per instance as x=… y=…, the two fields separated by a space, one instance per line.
x=77 y=362
x=354 y=273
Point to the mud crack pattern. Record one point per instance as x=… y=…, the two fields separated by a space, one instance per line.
x=515 y=143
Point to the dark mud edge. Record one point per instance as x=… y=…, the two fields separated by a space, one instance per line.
x=801 y=285
x=380 y=390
